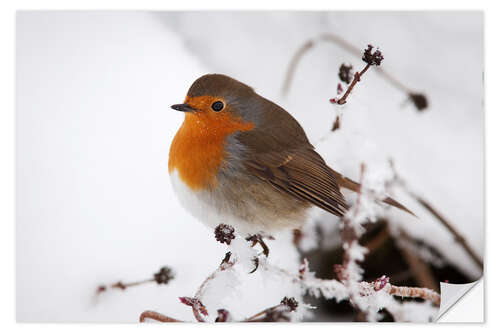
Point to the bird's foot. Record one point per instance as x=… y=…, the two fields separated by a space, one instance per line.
x=258 y=239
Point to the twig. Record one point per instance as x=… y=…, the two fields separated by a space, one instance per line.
x=378 y=240
x=371 y=59
x=225 y=264
x=197 y=307
x=431 y=209
x=293 y=65
x=123 y=286
x=163 y=276
x=357 y=78
x=348 y=234
x=157 y=316
x=350 y=239
x=274 y=313
x=338 y=290
x=419 y=100
x=421 y=271
x=458 y=237
x=277 y=312
x=415 y=292
x=195 y=302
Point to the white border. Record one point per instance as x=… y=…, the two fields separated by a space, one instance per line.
x=7 y=242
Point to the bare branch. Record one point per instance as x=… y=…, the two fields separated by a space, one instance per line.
x=277 y=312
x=157 y=316
x=225 y=264
x=421 y=271
x=418 y=99
x=293 y=65
x=163 y=276
x=431 y=209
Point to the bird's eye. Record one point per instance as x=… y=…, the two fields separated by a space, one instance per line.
x=217 y=106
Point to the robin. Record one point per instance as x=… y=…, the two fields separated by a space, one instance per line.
x=240 y=159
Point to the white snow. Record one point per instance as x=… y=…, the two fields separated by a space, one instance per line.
x=94 y=200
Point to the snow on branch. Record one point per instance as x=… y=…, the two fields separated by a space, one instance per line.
x=368 y=298
x=275 y=313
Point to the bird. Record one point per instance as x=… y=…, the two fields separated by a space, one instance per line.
x=240 y=159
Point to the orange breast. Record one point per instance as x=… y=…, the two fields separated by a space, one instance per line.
x=197 y=151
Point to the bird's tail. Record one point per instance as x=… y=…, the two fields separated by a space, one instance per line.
x=356 y=187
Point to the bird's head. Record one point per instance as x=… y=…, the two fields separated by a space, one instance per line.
x=217 y=101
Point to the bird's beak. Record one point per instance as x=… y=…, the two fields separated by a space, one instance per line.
x=183 y=107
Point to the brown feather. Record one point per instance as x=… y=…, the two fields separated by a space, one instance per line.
x=356 y=187
x=298 y=171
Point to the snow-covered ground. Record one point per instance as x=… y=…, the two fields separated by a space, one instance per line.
x=94 y=124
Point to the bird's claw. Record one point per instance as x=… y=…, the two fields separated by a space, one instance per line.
x=257 y=239
x=256 y=263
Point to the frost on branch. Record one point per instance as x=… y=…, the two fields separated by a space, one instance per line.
x=367 y=298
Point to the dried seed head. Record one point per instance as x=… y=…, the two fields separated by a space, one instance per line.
x=290 y=303
x=222 y=316
x=224 y=233
x=164 y=275
x=419 y=100
x=374 y=58
x=345 y=74
x=380 y=283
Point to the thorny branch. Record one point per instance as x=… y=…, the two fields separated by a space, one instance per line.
x=418 y=99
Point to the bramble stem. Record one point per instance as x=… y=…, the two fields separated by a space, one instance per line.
x=355 y=80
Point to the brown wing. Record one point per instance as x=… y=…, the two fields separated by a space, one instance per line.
x=298 y=171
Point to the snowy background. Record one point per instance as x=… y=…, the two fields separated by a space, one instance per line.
x=94 y=125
